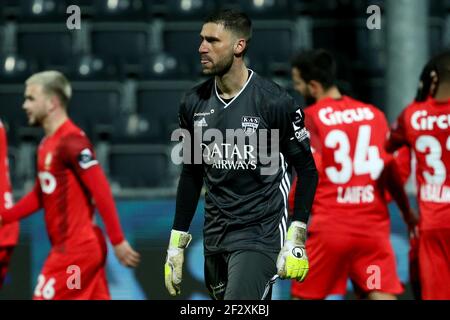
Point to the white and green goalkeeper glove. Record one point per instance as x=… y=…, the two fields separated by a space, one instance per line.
x=292 y=262
x=173 y=268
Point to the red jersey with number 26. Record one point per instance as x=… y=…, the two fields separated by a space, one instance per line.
x=425 y=128
x=349 y=137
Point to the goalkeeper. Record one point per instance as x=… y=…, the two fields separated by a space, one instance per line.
x=247 y=241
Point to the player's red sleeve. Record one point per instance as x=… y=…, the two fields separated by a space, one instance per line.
x=79 y=154
x=96 y=182
x=26 y=206
x=403 y=159
x=393 y=181
x=292 y=196
x=397 y=136
x=4 y=179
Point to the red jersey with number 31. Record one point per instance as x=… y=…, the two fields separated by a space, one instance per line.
x=425 y=128
x=349 y=137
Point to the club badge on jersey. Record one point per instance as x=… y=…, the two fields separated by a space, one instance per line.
x=86 y=159
x=250 y=124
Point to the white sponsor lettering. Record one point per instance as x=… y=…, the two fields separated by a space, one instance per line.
x=420 y=120
x=332 y=117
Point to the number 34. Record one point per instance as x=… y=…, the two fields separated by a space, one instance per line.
x=366 y=158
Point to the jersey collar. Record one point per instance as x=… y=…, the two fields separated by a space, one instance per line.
x=225 y=105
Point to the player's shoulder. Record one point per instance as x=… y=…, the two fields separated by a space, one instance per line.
x=74 y=136
x=269 y=89
x=368 y=108
x=410 y=110
x=416 y=105
x=199 y=92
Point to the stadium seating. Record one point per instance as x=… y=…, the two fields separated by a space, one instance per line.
x=162 y=65
x=267 y=9
x=143 y=166
x=12 y=115
x=188 y=9
x=43 y=10
x=90 y=67
x=158 y=103
x=14 y=68
x=119 y=10
x=48 y=43
x=94 y=106
x=127 y=43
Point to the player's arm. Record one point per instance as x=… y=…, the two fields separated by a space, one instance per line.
x=397 y=135
x=292 y=260
x=392 y=179
x=29 y=204
x=79 y=155
x=188 y=194
x=5 y=185
x=297 y=148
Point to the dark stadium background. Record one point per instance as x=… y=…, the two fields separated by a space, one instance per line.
x=129 y=65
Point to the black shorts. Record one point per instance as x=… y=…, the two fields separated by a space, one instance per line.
x=240 y=275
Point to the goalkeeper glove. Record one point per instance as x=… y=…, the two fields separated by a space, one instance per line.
x=292 y=262
x=173 y=268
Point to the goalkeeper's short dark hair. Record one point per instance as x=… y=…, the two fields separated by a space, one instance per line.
x=318 y=65
x=236 y=21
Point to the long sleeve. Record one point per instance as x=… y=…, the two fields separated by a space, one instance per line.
x=97 y=184
x=80 y=156
x=29 y=204
x=397 y=136
x=306 y=184
x=295 y=144
x=188 y=193
x=191 y=179
x=394 y=182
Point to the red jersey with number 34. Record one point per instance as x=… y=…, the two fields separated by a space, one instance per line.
x=349 y=136
x=425 y=128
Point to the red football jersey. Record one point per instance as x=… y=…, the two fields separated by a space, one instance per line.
x=62 y=160
x=349 y=136
x=425 y=128
x=9 y=234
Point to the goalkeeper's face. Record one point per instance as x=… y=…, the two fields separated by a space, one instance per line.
x=216 y=49
x=36 y=105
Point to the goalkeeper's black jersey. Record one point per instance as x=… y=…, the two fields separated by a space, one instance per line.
x=245 y=207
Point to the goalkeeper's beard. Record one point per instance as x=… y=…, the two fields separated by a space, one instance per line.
x=220 y=68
